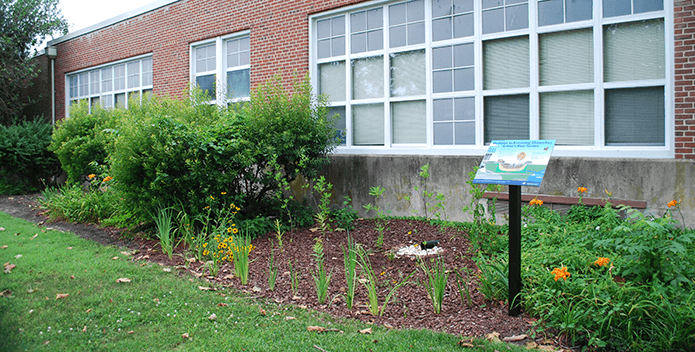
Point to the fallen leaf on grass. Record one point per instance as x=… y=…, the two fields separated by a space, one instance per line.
x=366 y=331
x=185 y=336
x=34 y=236
x=3 y=247
x=72 y=277
x=88 y=310
x=17 y=256
x=131 y=332
x=531 y=345
x=46 y=342
x=2 y=229
x=514 y=338
x=84 y=329
x=9 y=267
x=31 y=290
x=388 y=326
x=222 y=304
x=256 y=289
x=493 y=337
x=290 y=318
x=123 y=279
x=6 y=293
x=262 y=311
x=212 y=316
x=115 y=258
x=167 y=270
x=69 y=247
x=205 y=288
x=315 y=328
x=62 y=295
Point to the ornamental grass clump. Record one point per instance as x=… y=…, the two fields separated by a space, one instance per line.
x=350 y=264
x=241 y=247
x=163 y=220
x=321 y=278
x=370 y=283
x=437 y=277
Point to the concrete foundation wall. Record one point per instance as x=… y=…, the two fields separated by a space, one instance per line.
x=655 y=181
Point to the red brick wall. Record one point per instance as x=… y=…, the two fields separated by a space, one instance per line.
x=684 y=80
x=279 y=40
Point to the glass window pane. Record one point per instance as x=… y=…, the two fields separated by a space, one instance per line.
x=397 y=36
x=464 y=55
x=107 y=79
x=566 y=57
x=634 y=51
x=337 y=26
x=550 y=12
x=506 y=63
x=375 y=18
x=464 y=133
x=244 y=58
x=567 y=117
x=332 y=80
x=463 y=26
x=579 y=10
x=441 y=29
x=84 y=84
x=134 y=74
x=408 y=73
x=338 y=122
x=416 y=33
x=119 y=77
x=107 y=101
x=207 y=85
x=239 y=83
x=461 y=6
x=368 y=78
x=358 y=22
x=442 y=57
x=368 y=124
x=635 y=116
x=517 y=17
x=244 y=44
x=492 y=3
x=493 y=21
x=506 y=117
x=94 y=82
x=147 y=72
x=443 y=133
x=442 y=81
x=464 y=79
x=397 y=14
x=443 y=110
x=441 y=8
x=358 y=43
x=120 y=101
x=375 y=40
x=323 y=28
x=233 y=60
x=416 y=10
x=338 y=46
x=409 y=122
x=648 y=5
x=465 y=109
x=612 y=8
x=324 y=48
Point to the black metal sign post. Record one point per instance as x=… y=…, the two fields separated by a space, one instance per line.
x=515 y=164
x=514 y=249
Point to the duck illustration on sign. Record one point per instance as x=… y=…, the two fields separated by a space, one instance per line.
x=521 y=162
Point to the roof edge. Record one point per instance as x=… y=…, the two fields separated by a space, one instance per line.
x=122 y=17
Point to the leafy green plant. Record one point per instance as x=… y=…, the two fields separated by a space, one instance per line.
x=370 y=283
x=322 y=278
x=295 y=276
x=345 y=217
x=323 y=216
x=272 y=270
x=380 y=223
x=493 y=278
x=350 y=265
x=241 y=248
x=163 y=220
x=484 y=222
x=463 y=288
x=72 y=203
x=27 y=164
x=437 y=277
x=278 y=233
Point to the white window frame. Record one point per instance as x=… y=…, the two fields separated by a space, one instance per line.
x=599 y=149
x=221 y=69
x=89 y=73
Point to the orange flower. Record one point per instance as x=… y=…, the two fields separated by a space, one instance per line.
x=581 y=189
x=108 y=178
x=560 y=273
x=601 y=261
x=91 y=176
x=535 y=201
x=673 y=203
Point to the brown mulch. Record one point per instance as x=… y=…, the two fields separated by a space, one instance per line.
x=410 y=308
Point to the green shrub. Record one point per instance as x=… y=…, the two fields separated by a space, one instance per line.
x=24 y=157
x=71 y=202
x=81 y=141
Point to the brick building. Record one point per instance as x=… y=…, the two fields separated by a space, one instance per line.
x=421 y=81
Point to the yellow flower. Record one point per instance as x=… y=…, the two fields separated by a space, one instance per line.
x=229 y=229
x=581 y=189
x=211 y=197
x=91 y=176
x=206 y=252
x=223 y=193
x=205 y=244
x=601 y=261
x=235 y=230
x=673 y=203
x=560 y=273
x=207 y=207
x=382 y=273
x=108 y=178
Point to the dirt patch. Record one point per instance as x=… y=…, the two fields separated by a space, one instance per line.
x=409 y=308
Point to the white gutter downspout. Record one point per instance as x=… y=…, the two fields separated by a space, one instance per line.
x=52 y=53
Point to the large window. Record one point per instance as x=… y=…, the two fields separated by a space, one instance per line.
x=449 y=76
x=111 y=86
x=221 y=68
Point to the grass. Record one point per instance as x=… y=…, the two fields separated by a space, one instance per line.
x=154 y=309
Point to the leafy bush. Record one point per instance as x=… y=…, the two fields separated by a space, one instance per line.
x=169 y=151
x=81 y=141
x=603 y=281
x=24 y=157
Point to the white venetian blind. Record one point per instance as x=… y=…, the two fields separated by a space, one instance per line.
x=409 y=122
x=566 y=57
x=368 y=124
x=506 y=63
x=332 y=80
x=634 y=51
x=568 y=117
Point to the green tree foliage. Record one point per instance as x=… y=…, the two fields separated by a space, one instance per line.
x=23 y=25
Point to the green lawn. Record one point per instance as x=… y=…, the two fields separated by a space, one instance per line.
x=156 y=308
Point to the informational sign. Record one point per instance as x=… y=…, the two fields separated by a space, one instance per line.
x=519 y=163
